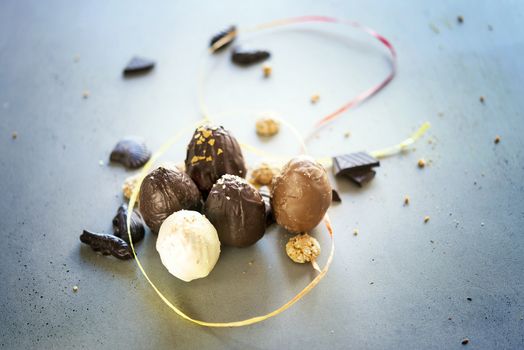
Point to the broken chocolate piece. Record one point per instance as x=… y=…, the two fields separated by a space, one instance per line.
x=348 y=163
x=266 y=196
x=362 y=177
x=335 y=197
x=248 y=57
x=231 y=35
x=138 y=65
x=107 y=244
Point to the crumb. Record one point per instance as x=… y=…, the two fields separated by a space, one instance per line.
x=302 y=248
x=267 y=126
x=85 y=94
x=371 y=282
x=76 y=58
x=101 y=162
x=421 y=163
x=347 y=134
x=426 y=219
x=14 y=135
x=75 y=289
x=267 y=70
x=129 y=185
x=250 y=263
x=406 y=200
x=263 y=175
x=469 y=299
x=449 y=318
x=481 y=99
x=490 y=28
x=355 y=232
x=460 y=19
x=465 y=341
x=315 y=98
x=497 y=139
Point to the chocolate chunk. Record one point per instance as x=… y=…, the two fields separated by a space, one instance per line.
x=211 y=153
x=348 y=163
x=248 y=57
x=362 y=176
x=335 y=197
x=107 y=244
x=137 y=227
x=131 y=152
x=237 y=211
x=230 y=32
x=139 y=65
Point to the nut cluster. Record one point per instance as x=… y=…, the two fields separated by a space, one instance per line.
x=267 y=126
x=303 y=248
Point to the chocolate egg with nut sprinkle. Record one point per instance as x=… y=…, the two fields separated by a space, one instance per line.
x=211 y=153
x=164 y=191
x=237 y=211
x=300 y=194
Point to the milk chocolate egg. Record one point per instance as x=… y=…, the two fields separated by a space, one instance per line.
x=164 y=191
x=301 y=194
x=211 y=153
x=237 y=211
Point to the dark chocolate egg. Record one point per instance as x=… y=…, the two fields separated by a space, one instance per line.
x=164 y=191
x=300 y=194
x=237 y=211
x=211 y=153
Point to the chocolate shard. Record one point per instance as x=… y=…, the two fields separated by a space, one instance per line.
x=348 y=163
x=363 y=176
x=139 y=65
x=335 y=197
x=265 y=192
x=243 y=57
x=229 y=32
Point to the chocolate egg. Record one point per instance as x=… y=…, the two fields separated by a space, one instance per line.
x=211 y=153
x=237 y=211
x=164 y=191
x=301 y=194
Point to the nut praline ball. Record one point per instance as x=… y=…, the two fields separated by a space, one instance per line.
x=237 y=211
x=300 y=194
x=164 y=191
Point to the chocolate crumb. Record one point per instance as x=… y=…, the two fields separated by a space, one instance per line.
x=481 y=99
x=421 y=163
x=460 y=19
x=406 y=200
x=497 y=139
x=469 y=299
x=426 y=219
x=465 y=341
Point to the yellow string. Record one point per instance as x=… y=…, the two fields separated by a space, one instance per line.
x=166 y=146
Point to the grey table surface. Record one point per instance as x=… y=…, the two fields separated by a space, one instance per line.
x=399 y=284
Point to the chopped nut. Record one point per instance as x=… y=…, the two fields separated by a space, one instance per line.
x=14 y=135
x=497 y=139
x=267 y=70
x=406 y=200
x=263 y=175
x=129 y=185
x=75 y=289
x=426 y=219
x=303 y=248
x=421 y=163
x=267 y=126
x=315 y=98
